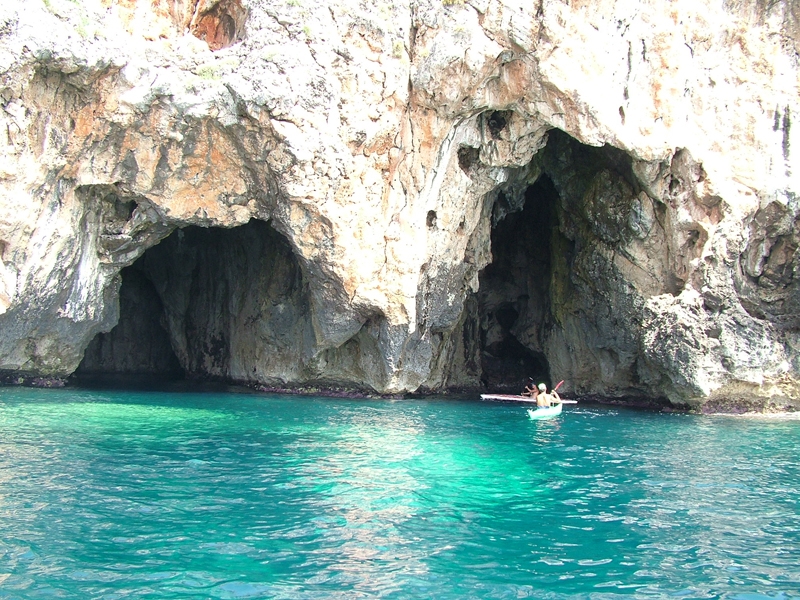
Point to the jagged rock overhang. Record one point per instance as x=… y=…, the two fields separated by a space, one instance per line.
x=601 y=249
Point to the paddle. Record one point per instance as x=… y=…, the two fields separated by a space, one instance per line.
x=558 y=385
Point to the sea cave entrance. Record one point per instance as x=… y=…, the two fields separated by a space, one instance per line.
x=512 y=306
x=138 y=348
x=206 y=304
x=578 y=244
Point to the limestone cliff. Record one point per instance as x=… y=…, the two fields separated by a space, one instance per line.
x=401 y=196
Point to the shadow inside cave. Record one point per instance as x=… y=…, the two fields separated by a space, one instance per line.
x=137 y=351
x=512 y=306
x=205 y=304
x=557 y=301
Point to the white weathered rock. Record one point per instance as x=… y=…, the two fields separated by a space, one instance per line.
x=385 y=141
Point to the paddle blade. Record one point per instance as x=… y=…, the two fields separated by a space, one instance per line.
x=558 y=385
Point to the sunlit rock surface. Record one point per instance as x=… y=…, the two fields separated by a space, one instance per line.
x=440 y=196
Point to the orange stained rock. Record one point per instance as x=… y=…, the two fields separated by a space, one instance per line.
x=219 y=25
x=84 y=122
x=516 y=81
x=425 y=132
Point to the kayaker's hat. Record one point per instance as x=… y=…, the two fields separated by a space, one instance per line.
x=542 y=387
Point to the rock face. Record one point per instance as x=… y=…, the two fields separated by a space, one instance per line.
x=405 y=196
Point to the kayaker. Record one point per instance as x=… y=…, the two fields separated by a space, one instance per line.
x=531 y=390
x=545 y=400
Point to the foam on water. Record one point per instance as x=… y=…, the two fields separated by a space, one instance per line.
x=157 y=495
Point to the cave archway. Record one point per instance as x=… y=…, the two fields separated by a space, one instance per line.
x=209 y=304
x=513 y=301
x=579 y=242
x=138 y=349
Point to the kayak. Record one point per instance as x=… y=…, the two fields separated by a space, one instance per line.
x=515 y=398
x=545 y=413
x=508 y=398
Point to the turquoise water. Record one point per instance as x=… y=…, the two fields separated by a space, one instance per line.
x=158 y=495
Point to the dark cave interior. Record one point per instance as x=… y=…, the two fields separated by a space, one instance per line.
x=139 y=347
x=189 y=304
x=513 y=299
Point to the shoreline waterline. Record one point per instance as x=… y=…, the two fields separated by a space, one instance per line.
x=713 y=407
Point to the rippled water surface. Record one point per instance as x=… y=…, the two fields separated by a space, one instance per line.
x=159 y=495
